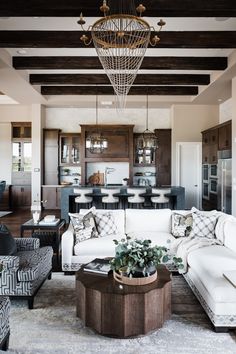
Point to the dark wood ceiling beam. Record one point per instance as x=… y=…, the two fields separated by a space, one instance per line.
x=102 y=79
x=71 y=39
x=108 y=90
x=155 y=8
x=149 y=63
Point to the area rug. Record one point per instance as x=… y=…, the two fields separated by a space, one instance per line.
x=4 y=213
x=52 y=326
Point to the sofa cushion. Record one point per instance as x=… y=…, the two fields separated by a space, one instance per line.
x=181 y=223
x=209 y=263
x=148 y=220
x=105 y=224
x=204 y=223
x=97 y=248
x=31 y=263
x=7 y=242
x=158 y=238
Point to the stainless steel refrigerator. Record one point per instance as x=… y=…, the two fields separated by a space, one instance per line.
x=224 y=183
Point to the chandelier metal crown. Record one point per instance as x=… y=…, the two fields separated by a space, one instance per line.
x=121 y=39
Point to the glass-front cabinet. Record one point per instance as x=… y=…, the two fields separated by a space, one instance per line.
x=69 y=159
x=69 y=149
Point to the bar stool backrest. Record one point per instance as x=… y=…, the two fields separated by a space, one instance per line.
x=160 y=199
x=82 y=198
x=110 y=198
x=136 y=198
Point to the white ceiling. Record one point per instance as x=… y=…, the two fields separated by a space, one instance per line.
x=220 y=87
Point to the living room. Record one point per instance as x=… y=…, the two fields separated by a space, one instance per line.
x=52 y=83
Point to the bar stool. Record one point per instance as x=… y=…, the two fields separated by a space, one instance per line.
x=110 y=199
x=136 y=199
x=82 y=198
x=161 y=201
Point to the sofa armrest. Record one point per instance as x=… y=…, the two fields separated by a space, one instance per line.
x=27 y=244
x=67 y=247
x=8 y=276
x=9 y=262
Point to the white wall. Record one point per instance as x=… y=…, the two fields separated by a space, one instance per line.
x=187 y=123
x=226 y=112
x=69 y=119
x=5 y=152
x=234 y=146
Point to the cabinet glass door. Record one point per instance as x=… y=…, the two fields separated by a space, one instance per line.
x=75 y=150
x=65 y=150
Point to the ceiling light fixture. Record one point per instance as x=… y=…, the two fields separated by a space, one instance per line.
x=96 y=142
x=121 y=39
x=148 y=140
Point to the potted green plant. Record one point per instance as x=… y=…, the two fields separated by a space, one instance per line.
x=66 y=171
x=137 y=258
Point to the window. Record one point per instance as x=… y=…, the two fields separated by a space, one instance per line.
x=21 y=156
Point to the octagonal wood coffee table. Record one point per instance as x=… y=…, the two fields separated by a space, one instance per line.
x=123 y=311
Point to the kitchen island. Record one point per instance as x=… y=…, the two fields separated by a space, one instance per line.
x=68 y=196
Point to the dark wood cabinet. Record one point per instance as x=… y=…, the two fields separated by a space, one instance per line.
x=225 y=136
x=52 y=196
x=210 y=146
x=20 y=196
x=21 y=130
x=163 y=157
x=51 y=156
x=120 y=147
x=159 y=159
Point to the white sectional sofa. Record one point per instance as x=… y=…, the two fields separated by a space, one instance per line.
x=206 y=265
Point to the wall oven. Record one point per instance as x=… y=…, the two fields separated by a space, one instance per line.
x=205 y=190
x=213 y=185
x=205 y=172
x=213 y=171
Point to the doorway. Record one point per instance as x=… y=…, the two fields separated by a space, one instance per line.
x=188 y=171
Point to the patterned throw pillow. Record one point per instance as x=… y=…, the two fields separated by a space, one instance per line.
x=204 y=223
x=181 y=224
x=105 y=224
x=84 y=226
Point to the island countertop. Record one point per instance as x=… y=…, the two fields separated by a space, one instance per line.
x=68 y=194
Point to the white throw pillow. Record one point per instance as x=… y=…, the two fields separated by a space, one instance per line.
x=204 y=223
x=105 y=224
x=181 y=224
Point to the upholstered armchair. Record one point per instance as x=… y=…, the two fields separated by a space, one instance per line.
x=24 y=272
x=4 y=322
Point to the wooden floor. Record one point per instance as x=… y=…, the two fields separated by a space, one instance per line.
x=14 y=220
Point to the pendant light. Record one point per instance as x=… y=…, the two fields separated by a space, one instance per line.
x=148 y=139
x=96 y=143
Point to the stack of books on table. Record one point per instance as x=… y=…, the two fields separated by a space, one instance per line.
x=98 y=266
x=49 y=220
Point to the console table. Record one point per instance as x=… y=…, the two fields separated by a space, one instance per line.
x=119 y=310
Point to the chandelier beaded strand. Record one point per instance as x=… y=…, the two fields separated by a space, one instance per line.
x=121 y=40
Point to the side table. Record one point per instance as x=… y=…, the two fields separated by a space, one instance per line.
x=119 y=310
x=30 y=225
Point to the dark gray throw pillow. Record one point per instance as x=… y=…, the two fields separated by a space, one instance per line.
x=7 y=242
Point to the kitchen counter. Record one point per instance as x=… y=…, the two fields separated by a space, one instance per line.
x=68 y=196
